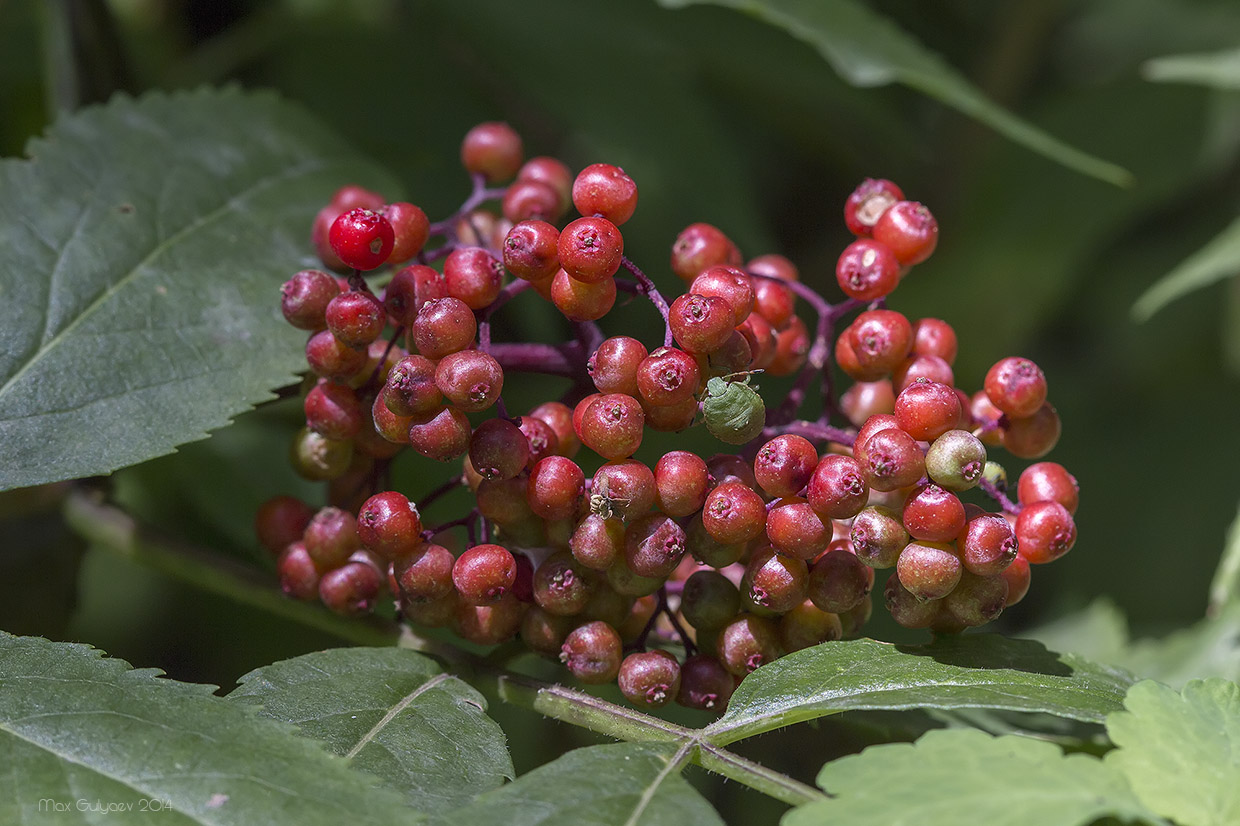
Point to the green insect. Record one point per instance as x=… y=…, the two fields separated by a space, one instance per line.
x=733 y=410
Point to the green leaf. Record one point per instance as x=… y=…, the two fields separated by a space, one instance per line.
x=1098 y=632
x=867 y=49
x=392 y=712
x=145 y=243
x=622 y=784
x=1218 y=259
x=961 y=776
x=1181 y=751
x=1219 y=70
x=973 y=671
x=75 y=726
x=1225 y=587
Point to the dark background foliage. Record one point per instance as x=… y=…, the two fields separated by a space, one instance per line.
x=723 y=118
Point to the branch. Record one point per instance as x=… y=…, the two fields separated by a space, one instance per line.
x=110 y=528
x=114 y=530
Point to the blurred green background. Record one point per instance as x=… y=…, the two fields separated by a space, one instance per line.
x=723 y=118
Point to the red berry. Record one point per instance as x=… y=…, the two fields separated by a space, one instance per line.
x=473 y=275
x=837 y=488
x=590 y=249
x=443 y=326
x=867 y=270
x=929 y=570
x=700 y=323
x=880 y=340
x=934 y=337
x=351 y=589
x=748 y=643
x=666 y=377
x=282 y=520
x=579 y=301
x=681 y=483
x=553 y=173
x=389 y=524
x=410 y=228
x=612 y=426
x=987 y=545
x=1045 y=531
x=699 y=246
x=867 y=203
x=493 y=149
x=624 y=488
x=362 y=239
x=410 y=388
x=731 y=284
x=484 y=574
x=705 y=684
x=440 y=434
x=784 y=465
x=909 y=230
x=926 y=410
x=304 y=299
x=933 y=514
x=1016 y=386
x=839 y=581
x=592 y=652
x=299 y=576
x=1034 y=436
x=532 y=250
x=356 y=317
x=613 y=366
x=654 y=545
x=890 y=459
x=794 y=529
x=606 y=190
x=470 y=379
x=556 y=488
x=649 y=679
x=526 y=199
x=1048 y=482
x=333 y=410
x=734 y=512
x=498 y=449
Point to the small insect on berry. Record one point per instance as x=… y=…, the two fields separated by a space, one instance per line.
x=603 y=504
x=733 y=410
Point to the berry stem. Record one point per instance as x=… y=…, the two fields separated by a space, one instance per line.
x=439 y=492
x=566 y=360
x=648 y=289
x=814 y=431
x=992 y=490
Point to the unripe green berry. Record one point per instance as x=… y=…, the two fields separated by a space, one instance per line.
x=955 y=460
x=995 y=474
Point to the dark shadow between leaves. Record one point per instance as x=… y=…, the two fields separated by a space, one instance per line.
x=992 y=651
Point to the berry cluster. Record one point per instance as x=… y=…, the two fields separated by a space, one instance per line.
x=603 y=560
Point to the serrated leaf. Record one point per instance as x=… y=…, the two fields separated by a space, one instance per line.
x=867 y=49
x=392 y=712
x=622 y=784
x=76 y=726
x=1218 y=259
x=1181 y=750
x=1225 y=587
x=963 y=776
x=982 y=671
x=1218 y=70
x=1208 y=648
x=145 y=243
